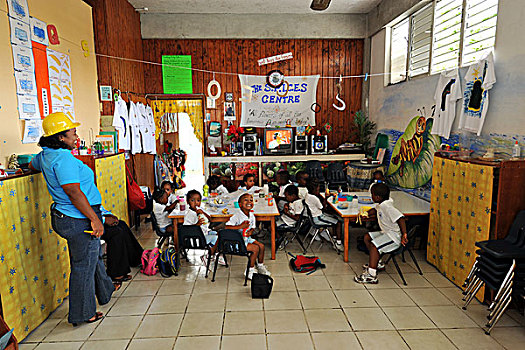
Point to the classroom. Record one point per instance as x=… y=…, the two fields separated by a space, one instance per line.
x=262 y=174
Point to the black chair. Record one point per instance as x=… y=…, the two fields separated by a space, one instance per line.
x=231 y=242
x=191 y=237
x=148 y=209
x=401 y=250
x=315 y=170
x=500 y=266
x=318 y=228
x=162 y=235
x=336 y=176
x=283 y=240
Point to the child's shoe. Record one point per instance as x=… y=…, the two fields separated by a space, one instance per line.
x=339 y=245
x=380 y=266
x=221 y=260
x=251 y=271
x=366 y=278
x=261 y=268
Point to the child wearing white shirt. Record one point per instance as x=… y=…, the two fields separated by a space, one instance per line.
x=301 y=177
x=248 y=182
x=161 y=210
x=316 y=206
x=244 y=220
x=214 y=183
x=167 y=187
x=293 y=209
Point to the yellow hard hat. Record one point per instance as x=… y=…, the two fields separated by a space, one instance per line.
x=57 y=122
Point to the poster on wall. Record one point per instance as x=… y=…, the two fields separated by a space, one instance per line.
x=290 y=104
x=25 y=83
x=28 y=107
x=18 y=9
x=60 y=85
x=38 y=30
x=32 y=131
x=229 y=111
x=23 y=58
x=20 y=33
x=176 y=74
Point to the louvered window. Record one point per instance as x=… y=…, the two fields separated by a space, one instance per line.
x=399 y=52
x=420 y=39
x=447 y=35
x=480 y=29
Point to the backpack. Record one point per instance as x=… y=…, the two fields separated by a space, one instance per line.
x=309 y=264
x=168 y=262
x=261 y=286
x=136 y=198
x=149 y=261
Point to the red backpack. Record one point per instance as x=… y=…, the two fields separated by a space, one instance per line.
x=136 y=198
x=308 y=264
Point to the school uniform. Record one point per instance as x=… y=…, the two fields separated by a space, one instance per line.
x=192 y=218
x=296 y=207
x=316 y=208
x=238 y=218
x=389 y=238
x=159 y=210
x=221 y=190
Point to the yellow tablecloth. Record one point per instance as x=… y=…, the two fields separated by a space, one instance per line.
x=460 y=212
x=111 y=182
x=34 y=261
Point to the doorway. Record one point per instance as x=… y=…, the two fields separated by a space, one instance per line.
x=188 y=142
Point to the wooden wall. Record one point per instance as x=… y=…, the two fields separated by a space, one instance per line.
x=117 y=33
x=327 y=57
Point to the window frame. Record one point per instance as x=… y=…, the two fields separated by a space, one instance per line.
x=433 y=27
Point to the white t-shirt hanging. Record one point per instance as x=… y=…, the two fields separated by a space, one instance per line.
x=152 y=144
x=143 y=127
x=448 y=91
x=479 y=80
x=136 y=146
x=121 y=124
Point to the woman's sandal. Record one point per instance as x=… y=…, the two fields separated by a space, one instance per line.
x=98 y=316
x=117 y=285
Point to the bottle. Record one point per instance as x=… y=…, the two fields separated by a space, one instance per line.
x=203 y=218
x=182 y=205
x=516 y=150
x=205 y=190
x=326 y=191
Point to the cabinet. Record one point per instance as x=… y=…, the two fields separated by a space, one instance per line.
x=471 y=200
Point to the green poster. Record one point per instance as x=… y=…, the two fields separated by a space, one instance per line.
x=177 y=80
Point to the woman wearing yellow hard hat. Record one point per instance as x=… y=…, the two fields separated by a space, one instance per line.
x=75 y=216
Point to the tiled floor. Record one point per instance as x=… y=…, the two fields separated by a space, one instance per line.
x=325 y=310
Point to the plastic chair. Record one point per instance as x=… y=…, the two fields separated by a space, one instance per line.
x=318 y=228
x=315 y=170
x=191 y=237
x=232 y=243
x=294 y=231
x=163 y=235
x=381 y=142
x=336 y=176
x=401 y=250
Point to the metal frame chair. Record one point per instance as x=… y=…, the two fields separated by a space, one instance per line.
x=162 y=235
x=192 y=237
x=317 y=229
x=231 y=242
x=401 y=251
x=295 y=230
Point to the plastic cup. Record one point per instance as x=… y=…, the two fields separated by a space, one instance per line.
x=236 y=204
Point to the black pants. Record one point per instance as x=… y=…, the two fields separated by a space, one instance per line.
x=123 y=249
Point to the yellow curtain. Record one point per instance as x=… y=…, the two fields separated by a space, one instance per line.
x=460 y=210
x=192 y=107
x=111 y=182
x=34 y=261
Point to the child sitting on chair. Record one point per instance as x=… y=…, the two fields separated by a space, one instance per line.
x=317 y=204
x=244 y=220
x=283 y=180
x=248 y=182
x=215 y=185
x=301 y=177
x=196 y=216
x=293 y=208
x=377 y=177
x=393 y=233
x=161 y=210
x=167 y=187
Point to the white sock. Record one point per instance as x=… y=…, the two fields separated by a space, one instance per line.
x=260 y=264
x=372 y=272
x=339 y=241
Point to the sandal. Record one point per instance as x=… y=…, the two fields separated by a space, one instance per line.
x=117 y=285
x=98 y=316
x=122 y=279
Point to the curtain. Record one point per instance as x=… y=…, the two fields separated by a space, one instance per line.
x=34 y=261
x=460 y=210
x=192 y=107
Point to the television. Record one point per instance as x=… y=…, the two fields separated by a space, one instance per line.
x=278 y=140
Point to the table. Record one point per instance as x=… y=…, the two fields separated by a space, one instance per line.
x=261 y=209
x=408 y=204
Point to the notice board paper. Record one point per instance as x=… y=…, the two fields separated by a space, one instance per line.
x=177 y=80
x=28 y=107
x=20 y=34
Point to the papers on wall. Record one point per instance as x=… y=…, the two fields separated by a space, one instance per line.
x=61 y=88
x=20 y=32
x=28 y=107
x=177 y=80
x=18 y=9
x=23 y=58
x=25 y=83
x=32 y=131
x=38 y=30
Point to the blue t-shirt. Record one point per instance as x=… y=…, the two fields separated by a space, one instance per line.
x=60 y=168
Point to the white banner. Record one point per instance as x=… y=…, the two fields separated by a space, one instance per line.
x=291 y=104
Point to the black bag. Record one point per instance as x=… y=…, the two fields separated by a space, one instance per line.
x=261 y=286
x=168 y=262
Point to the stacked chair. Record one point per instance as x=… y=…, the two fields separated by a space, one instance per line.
x=500 y=266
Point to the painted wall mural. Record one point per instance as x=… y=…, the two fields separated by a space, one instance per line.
x=413 y=155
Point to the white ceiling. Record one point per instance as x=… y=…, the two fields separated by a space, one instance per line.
x=253 y=6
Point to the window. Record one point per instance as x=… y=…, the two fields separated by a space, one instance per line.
x=442 y=35
x=399 y=52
